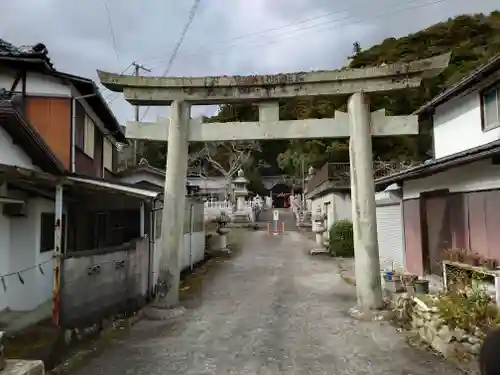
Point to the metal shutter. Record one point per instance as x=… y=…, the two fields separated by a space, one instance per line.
x=390 y=236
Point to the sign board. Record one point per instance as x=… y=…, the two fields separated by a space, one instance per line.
x=276 y=215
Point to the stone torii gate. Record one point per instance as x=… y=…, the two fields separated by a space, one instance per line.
x=265 y=90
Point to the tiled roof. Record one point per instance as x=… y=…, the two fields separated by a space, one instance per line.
x=38 y=58
x=38 y=51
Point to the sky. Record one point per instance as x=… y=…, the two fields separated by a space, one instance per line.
x=226 y=37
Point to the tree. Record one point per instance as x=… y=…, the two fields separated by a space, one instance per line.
x=224 y=158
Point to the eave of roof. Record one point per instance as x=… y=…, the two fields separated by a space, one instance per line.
x=443 y=164
x=462 y=85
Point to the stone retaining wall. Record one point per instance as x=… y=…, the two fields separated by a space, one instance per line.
x=423 y=319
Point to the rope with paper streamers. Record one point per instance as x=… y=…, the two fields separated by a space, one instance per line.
x=40 y=268
x=19 y=273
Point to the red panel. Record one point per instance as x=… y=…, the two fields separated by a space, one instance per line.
x=493 y=223
x=413 y=237
x=477 y=222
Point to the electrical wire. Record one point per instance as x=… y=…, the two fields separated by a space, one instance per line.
x=314 y=29
x=116 y=95
x=111 y=29
x=185 y=29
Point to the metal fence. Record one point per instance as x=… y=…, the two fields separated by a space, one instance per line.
x=100 y=283
x=339 y=173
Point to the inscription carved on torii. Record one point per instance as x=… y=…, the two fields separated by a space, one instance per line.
x=265 y=90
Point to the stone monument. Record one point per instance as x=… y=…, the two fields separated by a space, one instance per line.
x=241 y=216
x=319 y=229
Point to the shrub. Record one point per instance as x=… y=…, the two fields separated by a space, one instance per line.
x=469 y=310
x=341 y=239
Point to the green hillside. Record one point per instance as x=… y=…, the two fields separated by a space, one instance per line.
x=472 y=39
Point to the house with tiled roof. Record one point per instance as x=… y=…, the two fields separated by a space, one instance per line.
x=449 y=206
x=74 y=243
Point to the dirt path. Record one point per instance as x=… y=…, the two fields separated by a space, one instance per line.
x=270 y=310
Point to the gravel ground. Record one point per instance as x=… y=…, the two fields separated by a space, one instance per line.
x=271 y=309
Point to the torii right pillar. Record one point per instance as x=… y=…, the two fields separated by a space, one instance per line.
x=364 y=218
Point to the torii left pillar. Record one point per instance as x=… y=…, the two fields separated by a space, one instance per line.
x=173 y=209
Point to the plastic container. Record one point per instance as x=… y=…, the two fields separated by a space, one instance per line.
x=421 y=286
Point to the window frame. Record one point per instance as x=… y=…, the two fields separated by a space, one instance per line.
x=485 y=127
x=79 y=126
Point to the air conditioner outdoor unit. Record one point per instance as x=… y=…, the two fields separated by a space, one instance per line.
x=14 y=209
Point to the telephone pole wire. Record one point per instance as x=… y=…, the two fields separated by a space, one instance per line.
x=137 y=146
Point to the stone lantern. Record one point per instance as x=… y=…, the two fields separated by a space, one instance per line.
x=319 y=229
x=223 y=230
x=240 y=193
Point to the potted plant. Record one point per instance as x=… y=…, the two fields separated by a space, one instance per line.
x=461 y=254
x=421 y=286
x=409 y=283
x=451 y=255
x=491 y=263
x=471 y=258
x=475 y=259
x=395 y=284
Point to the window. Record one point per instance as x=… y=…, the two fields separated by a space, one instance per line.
x=491 y=108
x=88 y=146
x=79 y=126
x=108 y=155
x=47 y=232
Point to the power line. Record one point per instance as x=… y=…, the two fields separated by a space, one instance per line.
x=277 y=28
x=111 y=93
x=185 y=29
x=305 y=29
x=111 y=30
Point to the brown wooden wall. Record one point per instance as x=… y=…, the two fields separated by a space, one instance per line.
x=51 y=117
x=414 y=261
x=450 y=221
x=84 y=165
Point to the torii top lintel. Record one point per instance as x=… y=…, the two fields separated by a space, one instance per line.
x=141 y=90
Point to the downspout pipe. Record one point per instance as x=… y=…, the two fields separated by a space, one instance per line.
x=73 y=126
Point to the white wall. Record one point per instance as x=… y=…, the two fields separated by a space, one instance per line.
x=23 y=251
x=11 y=154
x=4 y=256
x=481 y=175
x=339 y=206
x=36 y=84
x=193 y=251
x=457 y=126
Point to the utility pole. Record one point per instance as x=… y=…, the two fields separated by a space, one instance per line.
x=137 y=147
x=302 y=168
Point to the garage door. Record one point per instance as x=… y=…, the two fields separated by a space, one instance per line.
x=390 y=236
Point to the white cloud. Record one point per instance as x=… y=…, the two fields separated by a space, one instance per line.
x=79 y=41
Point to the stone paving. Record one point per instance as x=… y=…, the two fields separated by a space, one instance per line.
x=271 y=309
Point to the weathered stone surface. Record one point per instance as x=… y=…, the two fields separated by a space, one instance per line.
x=460 y=334
x=155 y=313
x=445 y=334
x=446 y=348
x=21 y=367
x=432 y=329
x=471 y=348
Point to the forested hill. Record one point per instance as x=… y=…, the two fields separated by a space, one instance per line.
x=472 y=39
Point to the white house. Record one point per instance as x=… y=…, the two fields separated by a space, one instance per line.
x=453 y=200
x=329 y=189
x=57 y=136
